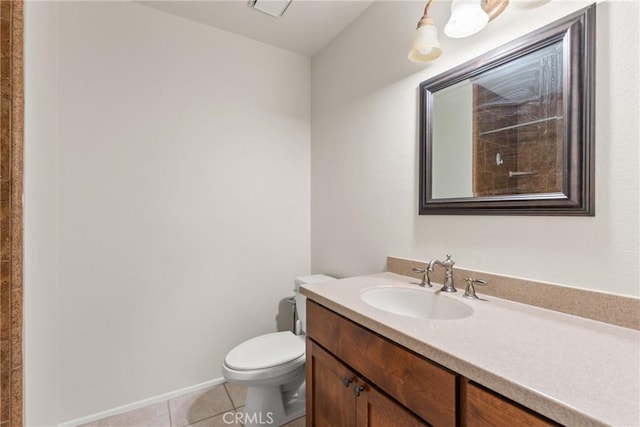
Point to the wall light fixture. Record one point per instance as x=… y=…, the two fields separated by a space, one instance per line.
x=467 y=18
x=425 y=39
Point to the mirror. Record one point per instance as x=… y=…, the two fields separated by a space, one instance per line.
x=512 y=132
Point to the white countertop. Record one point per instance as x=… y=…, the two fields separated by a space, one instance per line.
x=576 y=371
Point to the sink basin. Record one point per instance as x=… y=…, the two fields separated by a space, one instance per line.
x=416 y=303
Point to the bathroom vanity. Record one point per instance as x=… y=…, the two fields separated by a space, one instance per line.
x=505 y=364
x=358 y=367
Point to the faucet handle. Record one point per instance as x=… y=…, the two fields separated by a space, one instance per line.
x=470 y=290
x=426 y=280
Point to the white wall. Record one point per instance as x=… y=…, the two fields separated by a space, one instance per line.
x=40 y=215
x=179 y=179
x=365 y=168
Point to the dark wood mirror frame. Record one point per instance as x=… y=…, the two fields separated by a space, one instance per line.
x=576 y=33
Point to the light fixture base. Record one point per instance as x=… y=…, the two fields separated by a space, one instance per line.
x=494 y=8
x=275 y=8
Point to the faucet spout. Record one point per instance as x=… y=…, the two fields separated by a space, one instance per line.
x=448 y=264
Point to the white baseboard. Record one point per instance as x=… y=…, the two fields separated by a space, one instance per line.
x=142 y=403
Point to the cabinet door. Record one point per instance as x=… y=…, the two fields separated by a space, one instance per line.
x=375 y=409
x=330 y=399
x=481 y=408
x=426 y=389
x=336 y=397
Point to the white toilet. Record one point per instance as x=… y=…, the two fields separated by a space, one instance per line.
x=272 y=368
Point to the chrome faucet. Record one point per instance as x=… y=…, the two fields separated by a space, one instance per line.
x=448 y=273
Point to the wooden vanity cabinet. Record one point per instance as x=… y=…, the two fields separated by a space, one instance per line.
x=420 y=392
x=356 y=377
x=339 y=397
x=329 y=398
x=480 y=407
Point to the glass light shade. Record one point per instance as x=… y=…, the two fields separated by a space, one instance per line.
x=425 y=44
x=467 y=18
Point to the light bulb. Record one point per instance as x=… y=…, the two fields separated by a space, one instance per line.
x=467 y=18
x=424 y=50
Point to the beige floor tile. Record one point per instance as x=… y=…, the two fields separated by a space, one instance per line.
x=226 y=419
x=298 y=422
x=199 y=405
x=237 y=392
x=156 y=415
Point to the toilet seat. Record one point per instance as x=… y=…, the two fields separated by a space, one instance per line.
x=266 y=359
x=266 y=351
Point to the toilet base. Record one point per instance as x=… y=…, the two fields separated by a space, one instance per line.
x=275 y=405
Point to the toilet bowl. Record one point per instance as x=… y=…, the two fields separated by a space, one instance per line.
x=271 y=366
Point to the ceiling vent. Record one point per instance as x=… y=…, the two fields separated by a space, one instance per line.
x=270 y=7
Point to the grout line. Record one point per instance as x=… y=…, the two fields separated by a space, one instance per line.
x=169 y=411
x=229 y=395
x=217 y=414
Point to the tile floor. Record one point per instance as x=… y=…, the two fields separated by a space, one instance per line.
x=203 y=408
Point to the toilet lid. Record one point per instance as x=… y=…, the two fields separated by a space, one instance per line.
x=266 y=351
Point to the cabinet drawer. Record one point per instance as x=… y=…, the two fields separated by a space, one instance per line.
x=425 y=388
x=481 y=407
x=333 y=401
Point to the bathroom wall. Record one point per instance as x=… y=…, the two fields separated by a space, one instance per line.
x=40 y=215
x=167 y=201
x=365 y=163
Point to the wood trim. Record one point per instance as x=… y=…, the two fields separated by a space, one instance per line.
x=11 y=231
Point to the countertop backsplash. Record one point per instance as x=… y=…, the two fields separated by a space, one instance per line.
x=609 y=308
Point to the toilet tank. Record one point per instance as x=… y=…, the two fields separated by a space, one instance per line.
x=301 y=300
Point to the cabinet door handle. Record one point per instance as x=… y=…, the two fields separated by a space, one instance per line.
x=346 y=381
x=357 y=390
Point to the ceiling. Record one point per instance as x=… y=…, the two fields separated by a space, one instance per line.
x=306 y=27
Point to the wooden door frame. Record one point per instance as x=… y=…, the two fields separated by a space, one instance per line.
x=11 y=210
